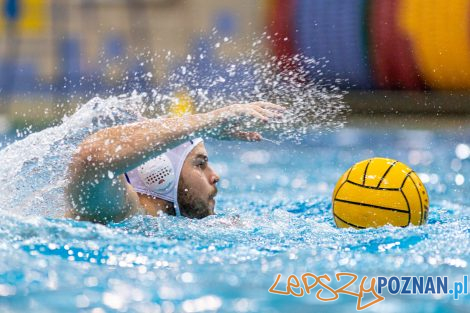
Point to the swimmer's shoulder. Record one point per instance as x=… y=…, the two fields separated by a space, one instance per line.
x=133 y=201
x=130 y=206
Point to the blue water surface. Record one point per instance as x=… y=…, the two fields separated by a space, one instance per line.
x=273 y=217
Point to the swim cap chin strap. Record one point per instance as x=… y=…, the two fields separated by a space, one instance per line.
x=159 y=177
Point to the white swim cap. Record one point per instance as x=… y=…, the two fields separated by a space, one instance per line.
x=159 y=177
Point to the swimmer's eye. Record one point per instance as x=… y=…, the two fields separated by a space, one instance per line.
x=201 y=162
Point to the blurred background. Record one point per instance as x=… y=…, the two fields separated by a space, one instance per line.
x=395 y=57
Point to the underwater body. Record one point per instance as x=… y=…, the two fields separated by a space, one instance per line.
x=274 y=213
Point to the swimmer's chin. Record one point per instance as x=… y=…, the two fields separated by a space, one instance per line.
x=211 y=207
x=203 y=212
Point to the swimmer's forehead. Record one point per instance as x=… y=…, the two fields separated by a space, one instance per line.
x=198 y=152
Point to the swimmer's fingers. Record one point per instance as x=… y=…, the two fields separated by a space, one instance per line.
x=256 y=115
x=269 y=106
x=250 y=112
x=236 y=113
x=267 y=113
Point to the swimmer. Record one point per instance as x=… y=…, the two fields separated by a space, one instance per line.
x=157 y=165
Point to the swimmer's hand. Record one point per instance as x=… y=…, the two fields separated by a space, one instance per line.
x=233 y=120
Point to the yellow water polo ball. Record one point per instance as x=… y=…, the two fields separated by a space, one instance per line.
x=377 y=192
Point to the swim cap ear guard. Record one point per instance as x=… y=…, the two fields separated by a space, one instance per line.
x=159 y=177
x=157 y=174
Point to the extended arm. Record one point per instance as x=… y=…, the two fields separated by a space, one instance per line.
x=97 y=190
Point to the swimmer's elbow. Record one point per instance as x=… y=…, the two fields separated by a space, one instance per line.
x=94 y=213
x=84 y=164
x=103 y=202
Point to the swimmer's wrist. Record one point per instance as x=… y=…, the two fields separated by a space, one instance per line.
x=213 y=119
x=209 y=121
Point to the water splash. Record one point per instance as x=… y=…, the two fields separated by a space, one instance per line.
x=33 y=169
x=255 y=75
x=218 y=72
x=33 y=182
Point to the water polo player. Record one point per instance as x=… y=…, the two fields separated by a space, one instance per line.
x=157 y=165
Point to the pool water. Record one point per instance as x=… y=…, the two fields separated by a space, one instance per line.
x=273 y=217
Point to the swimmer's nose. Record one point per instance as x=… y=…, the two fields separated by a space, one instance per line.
x=214 y=178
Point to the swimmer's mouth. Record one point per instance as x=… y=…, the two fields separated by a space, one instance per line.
x=213 y=195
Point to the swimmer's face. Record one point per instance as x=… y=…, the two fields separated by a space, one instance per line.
x=197 y=185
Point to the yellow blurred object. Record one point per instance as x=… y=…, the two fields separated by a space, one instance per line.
x=377 y=192
x=34 y=16
x=439 y=31
x=183 y=105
